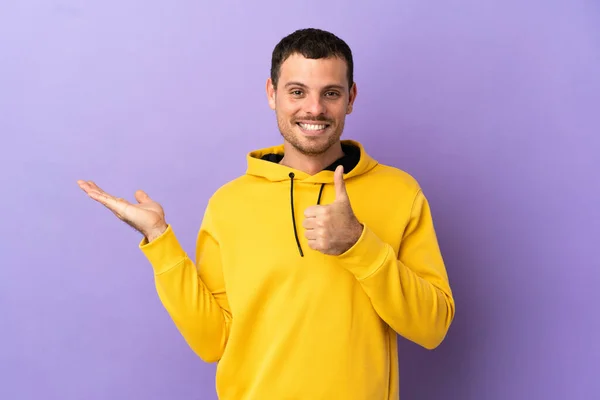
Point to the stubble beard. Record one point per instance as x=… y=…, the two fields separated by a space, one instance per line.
x=306 y=145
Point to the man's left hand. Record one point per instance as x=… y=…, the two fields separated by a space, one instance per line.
x=333 y=229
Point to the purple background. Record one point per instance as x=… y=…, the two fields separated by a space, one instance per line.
x=492 y=105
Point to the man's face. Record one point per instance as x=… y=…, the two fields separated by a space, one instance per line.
x=311 y=102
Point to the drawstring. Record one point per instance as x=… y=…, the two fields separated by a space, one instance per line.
x=293 y=217
x=320 y=192
x=291 y=175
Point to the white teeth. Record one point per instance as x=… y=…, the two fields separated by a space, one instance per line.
x=310 y=127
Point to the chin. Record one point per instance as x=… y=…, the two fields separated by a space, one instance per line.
x=312 y=150
x=313 y=145
x=310 y=143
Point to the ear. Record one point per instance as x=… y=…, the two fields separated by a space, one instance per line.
x=351 y=98
x=271 y=94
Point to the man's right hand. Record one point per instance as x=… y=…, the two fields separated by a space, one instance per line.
x=147 y=217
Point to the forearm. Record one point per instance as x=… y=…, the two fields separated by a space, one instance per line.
x=203 y=323
x=418 y=307
x=194 y=310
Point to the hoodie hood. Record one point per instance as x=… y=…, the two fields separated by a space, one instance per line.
x=264 y=163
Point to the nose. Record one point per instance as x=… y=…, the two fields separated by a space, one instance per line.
x=314 y=104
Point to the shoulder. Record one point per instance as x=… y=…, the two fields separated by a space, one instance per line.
x=395 y=178
x=231 y=191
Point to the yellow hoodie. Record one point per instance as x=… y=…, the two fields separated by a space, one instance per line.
x=287 y=322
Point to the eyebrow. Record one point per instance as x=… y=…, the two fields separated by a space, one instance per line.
x=304 y=86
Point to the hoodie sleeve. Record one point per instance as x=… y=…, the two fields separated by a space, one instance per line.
x=410 y=291
x=193 y=294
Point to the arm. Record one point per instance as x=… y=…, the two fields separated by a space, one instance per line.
x=410 y=292
x=195 y=298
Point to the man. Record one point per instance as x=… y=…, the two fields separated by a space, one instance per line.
x=310 y=264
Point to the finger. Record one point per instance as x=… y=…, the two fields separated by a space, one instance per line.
x=340 y=185
x=142 y=197
x=85 y=186
x=314 y=244
x=314 y=211
x=311 y=234
x=93 y=185
x=116 y=205
x=100 y=195
x=309 y=223
x=89 y=186
x=103 y=198
x=317 y=244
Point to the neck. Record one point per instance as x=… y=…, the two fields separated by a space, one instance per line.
x=310 y=164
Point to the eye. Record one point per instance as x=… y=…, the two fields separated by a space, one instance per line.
x=296 y=93
x=332 y=94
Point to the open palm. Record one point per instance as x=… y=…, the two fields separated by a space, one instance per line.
x=147 y=216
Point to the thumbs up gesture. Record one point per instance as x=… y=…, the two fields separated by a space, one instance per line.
x=333 y=228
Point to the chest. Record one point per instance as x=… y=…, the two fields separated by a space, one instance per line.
x=260 y=253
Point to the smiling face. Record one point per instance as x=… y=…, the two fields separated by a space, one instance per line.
x=311 y=101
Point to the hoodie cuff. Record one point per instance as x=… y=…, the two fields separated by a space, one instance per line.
x=366 y=256
x=164 y=252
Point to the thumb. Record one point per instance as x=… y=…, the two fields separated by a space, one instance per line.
x=142 y=197
x=340 y=185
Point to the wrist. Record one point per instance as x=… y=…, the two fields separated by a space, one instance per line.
x=367 y=255
x=156 y=232
x=358 y=230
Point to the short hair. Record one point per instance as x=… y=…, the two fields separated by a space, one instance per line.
x=311 y=43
